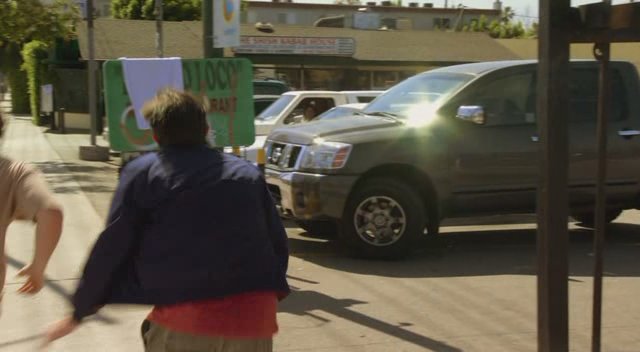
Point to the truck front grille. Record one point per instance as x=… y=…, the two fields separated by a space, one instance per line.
x=283 y=156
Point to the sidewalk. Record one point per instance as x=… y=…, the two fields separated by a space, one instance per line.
x=24 y=318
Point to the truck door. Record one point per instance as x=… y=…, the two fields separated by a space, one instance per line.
x=623 y=142
x=494 y=165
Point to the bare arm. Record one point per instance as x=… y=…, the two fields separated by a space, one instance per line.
x=48 y=231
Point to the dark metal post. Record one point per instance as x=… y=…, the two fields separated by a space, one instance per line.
x=93 y=113
x=602 y=53
x=159 y=33
x=553 y=236
x=207 y=31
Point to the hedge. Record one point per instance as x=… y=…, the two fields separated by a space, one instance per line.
x=19 y=94
x=33 y=55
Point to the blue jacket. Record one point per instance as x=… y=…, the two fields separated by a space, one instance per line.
x=187 y=223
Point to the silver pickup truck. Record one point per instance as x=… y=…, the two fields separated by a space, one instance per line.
x=451 y=142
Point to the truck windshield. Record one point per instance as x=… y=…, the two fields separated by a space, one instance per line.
x=275 y=109
x=417 y=91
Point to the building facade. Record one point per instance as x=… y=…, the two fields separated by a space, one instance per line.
x=370 y=15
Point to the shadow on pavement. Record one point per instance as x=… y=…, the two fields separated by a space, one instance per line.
x=58 y=289
x=11 y=343
x=479 y=253
x=303 y=302
x=71 y=178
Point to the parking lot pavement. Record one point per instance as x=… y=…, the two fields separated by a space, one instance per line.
x=471 y=289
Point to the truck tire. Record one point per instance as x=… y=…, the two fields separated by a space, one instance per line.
x=382 y=220
x=588 y=219
x=318 y=227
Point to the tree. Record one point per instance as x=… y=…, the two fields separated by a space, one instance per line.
x=173 y=10
x=23 y=21
x=503 y=28
x=507 y=14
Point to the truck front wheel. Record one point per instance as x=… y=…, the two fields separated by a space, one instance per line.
x=382 y=219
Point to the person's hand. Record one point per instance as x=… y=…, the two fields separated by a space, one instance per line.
x=59 y=330
x=35 y=280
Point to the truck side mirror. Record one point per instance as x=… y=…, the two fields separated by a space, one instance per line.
x=471 y=113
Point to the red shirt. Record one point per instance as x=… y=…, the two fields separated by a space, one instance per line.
x=247 y=315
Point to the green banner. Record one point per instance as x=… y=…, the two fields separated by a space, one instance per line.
x=224 y=84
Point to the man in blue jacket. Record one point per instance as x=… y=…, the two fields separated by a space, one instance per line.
x=193 y=232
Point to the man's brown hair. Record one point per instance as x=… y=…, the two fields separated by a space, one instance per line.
x=177 y=118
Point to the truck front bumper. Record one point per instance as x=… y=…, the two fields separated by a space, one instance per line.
x=309 y=196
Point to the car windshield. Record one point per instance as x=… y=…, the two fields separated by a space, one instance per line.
x=337 y=112
x=275 y=109
x=422 y=90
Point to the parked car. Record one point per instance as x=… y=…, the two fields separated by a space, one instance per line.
x=268 y=86
x=341 y=111
x=452 y=142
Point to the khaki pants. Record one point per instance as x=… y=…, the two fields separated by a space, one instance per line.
x=158 y=339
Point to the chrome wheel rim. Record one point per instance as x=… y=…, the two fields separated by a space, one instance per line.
x=380 y=221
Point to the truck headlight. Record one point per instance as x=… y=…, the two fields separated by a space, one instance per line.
x=325 y=155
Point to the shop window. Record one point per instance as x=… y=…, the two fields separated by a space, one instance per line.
x=323 y=79
x=384 y=79
x=356 y=80
x=290 y=76
x=406 y=74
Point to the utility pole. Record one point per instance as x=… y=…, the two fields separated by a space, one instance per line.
x=92 y=73
x=159 y=34
x=207 y=31
x=93 y=152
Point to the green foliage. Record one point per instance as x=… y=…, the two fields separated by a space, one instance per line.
x=33 y=55
x=507 y=14
x=173 y=10
x=503 y=29
x=23 y=21
x=532 y=32
x=19 y=95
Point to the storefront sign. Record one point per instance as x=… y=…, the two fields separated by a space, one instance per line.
x=226 y=23
x=225 y=85
x=296 y=45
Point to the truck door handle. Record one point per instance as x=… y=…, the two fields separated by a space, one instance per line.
x=628 y=133
x=535 y=138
